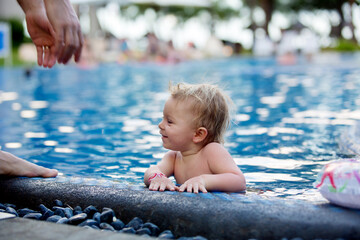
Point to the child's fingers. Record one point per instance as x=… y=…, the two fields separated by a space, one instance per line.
x=171 y=187
x=196 y=188
x=189 y=188
x=154 y=186
x=203 y=189
x=162 y=187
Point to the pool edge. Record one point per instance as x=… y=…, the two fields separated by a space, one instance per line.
x=221 y=215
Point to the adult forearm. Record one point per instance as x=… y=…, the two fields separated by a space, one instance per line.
x=30 y=5
x=226 y=182
x=67 y=11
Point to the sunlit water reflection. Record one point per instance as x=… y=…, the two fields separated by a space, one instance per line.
x=102 y=122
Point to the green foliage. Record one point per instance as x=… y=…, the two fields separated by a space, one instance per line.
x=17 y=30
x=344 y=45
x=16 y=61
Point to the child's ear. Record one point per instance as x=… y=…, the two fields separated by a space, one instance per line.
x=200 y=134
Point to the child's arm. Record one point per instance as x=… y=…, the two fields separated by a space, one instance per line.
x=226 y=175
x=156 y=176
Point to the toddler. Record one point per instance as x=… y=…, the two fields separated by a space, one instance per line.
x=193 y=126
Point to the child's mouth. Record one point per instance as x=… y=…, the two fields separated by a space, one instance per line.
x=162 y=135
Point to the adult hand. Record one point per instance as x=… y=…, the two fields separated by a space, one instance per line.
x=42 y=35
x=194 y=185
x=161 y=184
x=68 y=36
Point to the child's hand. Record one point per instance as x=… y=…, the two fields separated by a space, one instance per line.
x=194 y=185
x=161 y=182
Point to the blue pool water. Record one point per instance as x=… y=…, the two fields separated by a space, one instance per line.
x=102 y=122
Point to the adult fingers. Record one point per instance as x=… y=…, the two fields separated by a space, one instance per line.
x=79 y=49
x=52 y=53
x=59 y=44
x=71 y=43
x=52 y=59
x=46 y=56
x=39 y=50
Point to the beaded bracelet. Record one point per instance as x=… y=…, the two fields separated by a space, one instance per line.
x=155 y=175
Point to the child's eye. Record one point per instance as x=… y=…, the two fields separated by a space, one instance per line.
x=169 y=121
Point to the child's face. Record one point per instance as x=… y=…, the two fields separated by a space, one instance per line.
x=177 y=128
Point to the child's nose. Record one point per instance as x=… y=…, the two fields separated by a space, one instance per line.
x=161 y=124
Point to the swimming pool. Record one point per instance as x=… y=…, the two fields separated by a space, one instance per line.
x=102 y=122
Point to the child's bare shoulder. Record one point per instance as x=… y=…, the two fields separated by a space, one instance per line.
x=214 y=148
x=171 y=155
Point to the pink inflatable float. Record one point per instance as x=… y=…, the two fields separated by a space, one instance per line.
x=339 y=182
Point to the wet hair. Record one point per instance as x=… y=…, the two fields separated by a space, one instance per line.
x=210 y=106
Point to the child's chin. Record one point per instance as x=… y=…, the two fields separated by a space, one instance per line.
x=167 y=147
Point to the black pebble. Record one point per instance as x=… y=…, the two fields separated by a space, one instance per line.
x=22 y=212
x=135 y=223
x=89 y=222
x=59 y=211
x=47 y=214
x=12 y=211
x=118 y=224
x=36 y=216
x=192 y=238
x=58 y=203
x=68 y=212
x=128 y=230
x=96 y=217
x=107 y=216
x=153 y=228
x=94 y=227
x=143 y=231
x=106 y=226
x=77 y=210
x=10 y=205
x=43 y=208
x=54 y=218
x=63 y=220
x=166 y=234
x=77 y=219
x=90 y=211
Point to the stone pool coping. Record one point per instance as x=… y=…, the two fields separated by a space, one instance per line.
x=349 y=141
x=212 y=215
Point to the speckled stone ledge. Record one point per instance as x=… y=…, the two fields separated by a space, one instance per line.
x=349 y=141
x=212 y=215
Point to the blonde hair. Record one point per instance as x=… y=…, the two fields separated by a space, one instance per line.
x=210 y=106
